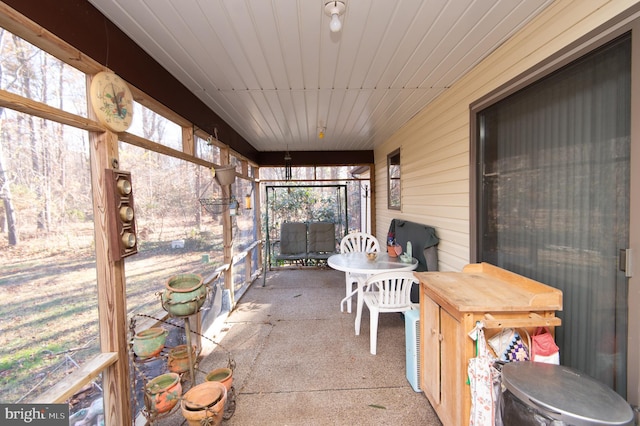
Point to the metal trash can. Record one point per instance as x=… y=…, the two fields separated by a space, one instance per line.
x=537 y=394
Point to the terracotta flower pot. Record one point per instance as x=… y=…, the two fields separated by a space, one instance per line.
x=204 y=401
x=184 y=294
x=222 y=375
x=394 y=250
x=178 y=359
x=163 y=393
x=150 y=342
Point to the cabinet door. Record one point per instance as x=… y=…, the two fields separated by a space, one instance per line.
x=430 y=350
x=453 y=370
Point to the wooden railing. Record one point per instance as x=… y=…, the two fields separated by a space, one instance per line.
x=75 y=381
x=71 y=384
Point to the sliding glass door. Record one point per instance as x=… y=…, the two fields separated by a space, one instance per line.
x=553 y=199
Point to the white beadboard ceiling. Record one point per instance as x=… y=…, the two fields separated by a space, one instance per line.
x=275 y=73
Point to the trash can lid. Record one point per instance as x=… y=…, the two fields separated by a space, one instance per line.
x=563 y=393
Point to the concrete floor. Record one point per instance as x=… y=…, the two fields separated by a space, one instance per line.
x=299 y=362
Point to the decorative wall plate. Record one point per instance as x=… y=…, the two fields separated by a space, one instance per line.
x=112 y=101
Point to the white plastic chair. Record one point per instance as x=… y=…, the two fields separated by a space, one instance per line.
x=393 y=294
x=354 y=242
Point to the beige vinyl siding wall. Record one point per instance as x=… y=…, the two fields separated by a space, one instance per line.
x=435 y=143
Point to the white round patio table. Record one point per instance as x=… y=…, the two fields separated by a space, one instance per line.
x=357 y=263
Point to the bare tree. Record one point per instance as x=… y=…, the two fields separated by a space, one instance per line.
x=24 y=74
x=5 y=194
x=5 y=191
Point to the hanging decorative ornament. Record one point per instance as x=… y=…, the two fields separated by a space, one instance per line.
x=287 y=166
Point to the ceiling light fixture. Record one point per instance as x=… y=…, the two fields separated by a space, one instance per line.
x=321 y=131
x=334 y=9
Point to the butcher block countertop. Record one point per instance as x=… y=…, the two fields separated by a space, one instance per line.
x=482 y=287
x=452 y=304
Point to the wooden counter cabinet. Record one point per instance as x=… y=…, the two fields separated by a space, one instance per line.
x=450 y=305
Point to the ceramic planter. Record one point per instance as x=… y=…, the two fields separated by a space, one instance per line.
x=394 y=250
x=225 y=175
x=150 y=342
x=204 y=404
x=184 y=295
x=222 y=375
x=178 y=359
x=163 y=393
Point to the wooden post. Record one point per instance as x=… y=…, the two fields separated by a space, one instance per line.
x=188 y=141
x=112 y=302
x=227 y=233
x=372 y=198
x=256 y=209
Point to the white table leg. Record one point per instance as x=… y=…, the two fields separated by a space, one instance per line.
x=347 y=300
x=361 y=281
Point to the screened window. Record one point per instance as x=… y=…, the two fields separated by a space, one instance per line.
x=154 y=127
x=553 y=197
x=30 y=72
x=393 y=184
x=206 y=150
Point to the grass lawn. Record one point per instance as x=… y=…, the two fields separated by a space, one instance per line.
x=48 y=305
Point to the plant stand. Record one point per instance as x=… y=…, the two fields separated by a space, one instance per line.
x=230 y=405
x=187 y=328
x=151 y=416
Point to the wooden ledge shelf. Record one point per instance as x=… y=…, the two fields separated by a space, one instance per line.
x=533 y=320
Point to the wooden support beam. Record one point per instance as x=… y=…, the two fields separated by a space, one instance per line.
x=112 y=315
x=39 y=109
x=188 y=141
x=257 y=209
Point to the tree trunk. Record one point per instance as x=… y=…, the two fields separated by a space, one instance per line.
x=60 y=159
x=9 y=218
x=24 y=79
x=5 y=195
x=197 y=191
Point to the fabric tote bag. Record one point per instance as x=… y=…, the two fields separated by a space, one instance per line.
x=544 y=348
x=509 y=346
